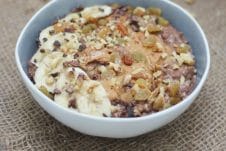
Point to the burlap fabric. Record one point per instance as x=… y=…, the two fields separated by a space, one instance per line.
x=25 y=126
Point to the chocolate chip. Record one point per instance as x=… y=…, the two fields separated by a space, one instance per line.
x=104 y=115
x=66 y=40
x=134 y=25
x=64 y=55
x=129 y=85
x=72 y=21
x=130 y=111
x=42 y=50
x=55 y=49
x=38 y=43
x=56 y=91
x=78 y=9
x=55 y=74
x=82 y=47
x=56 y=44
x=95 y=76
x=45 y=39
x=69 y=30
x=81 y=77
x=72 y=103
x=51 y=32
x=101 y=9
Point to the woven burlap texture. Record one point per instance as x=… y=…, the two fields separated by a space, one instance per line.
x=26 y=126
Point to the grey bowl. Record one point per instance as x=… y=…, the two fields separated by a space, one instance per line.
x=109 y=127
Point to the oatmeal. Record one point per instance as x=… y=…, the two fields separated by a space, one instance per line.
x=113 y=61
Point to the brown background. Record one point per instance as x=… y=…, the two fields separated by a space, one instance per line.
x=25 y=126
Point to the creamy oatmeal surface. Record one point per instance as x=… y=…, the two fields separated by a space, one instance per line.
x=113 y=61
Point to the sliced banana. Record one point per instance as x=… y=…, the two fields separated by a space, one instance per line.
x=48 y=64
x=97 y=11
x=95 y=103
x=91 y=98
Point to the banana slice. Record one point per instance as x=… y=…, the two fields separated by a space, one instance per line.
x=97 y=11
x=49 y=63
x=94 y=103
x=91 y=98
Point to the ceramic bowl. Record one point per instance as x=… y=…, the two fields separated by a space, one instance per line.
x=102 y=126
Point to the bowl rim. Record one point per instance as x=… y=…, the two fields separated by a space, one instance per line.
x=110 y=119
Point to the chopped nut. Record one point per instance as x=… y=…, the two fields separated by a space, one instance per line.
x=70 y=89
x=73 y=63
x=150 y=41
x=58 y=27
x=157 y=74
x=127 y=79
x=139 y=73
x=159 y=47
x=103 y=32
x=50 y=80
x=164 y=55
x=127 y=97
x=139 y=11
x=115 y=67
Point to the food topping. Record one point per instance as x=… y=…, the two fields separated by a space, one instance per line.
x=113 y=61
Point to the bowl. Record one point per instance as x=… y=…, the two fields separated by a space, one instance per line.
x=102 y=126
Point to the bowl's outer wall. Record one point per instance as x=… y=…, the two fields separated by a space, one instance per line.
x=27 y=47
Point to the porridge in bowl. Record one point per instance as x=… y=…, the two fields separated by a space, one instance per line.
x=113 y=61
